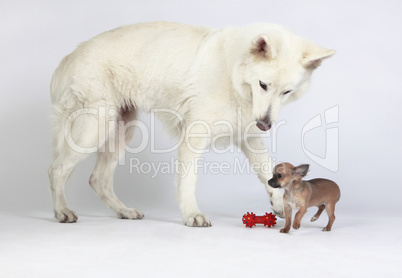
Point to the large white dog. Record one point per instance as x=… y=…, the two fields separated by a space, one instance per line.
x=208 y=84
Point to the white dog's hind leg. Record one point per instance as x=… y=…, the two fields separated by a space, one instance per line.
x=187 y=181
x=59 y=172
x=257 y=154
x=101 y=179
x=66 y=157
x=101 y=182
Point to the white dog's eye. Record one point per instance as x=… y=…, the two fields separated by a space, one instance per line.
x=287 y=92
x=263 y=85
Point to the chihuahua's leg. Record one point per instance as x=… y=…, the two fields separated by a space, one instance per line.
x=298 y=217
x=288 y=214
x=256 y=152
x=317 y=215
x=330 y=209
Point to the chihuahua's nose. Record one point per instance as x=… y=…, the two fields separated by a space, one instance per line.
x=270 y=182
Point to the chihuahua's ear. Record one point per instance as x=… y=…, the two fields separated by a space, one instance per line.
x=300 y=170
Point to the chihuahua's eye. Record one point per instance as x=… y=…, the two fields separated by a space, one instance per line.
x=263 y=85
x=279 y=176
x=287 y=92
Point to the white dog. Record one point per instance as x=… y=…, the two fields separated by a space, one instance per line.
x=233 y=80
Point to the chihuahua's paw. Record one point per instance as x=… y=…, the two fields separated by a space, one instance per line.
x=296 y=226
x=284 y=231
x=313 y=219
x=326 y=229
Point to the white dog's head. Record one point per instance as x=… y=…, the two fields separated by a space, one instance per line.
x=276 y=70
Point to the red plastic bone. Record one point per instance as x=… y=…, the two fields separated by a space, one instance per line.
x=250 y=219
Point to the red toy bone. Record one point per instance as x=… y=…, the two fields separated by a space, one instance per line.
x=250 y=219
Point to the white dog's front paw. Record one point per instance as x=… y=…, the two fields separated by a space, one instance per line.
x=130 y=213
x=66 y=216
x=277 y=204
x=197 y=220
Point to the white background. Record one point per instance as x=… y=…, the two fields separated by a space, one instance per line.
x=363 y=79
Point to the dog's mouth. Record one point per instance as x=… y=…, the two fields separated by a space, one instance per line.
x=263 y=125
x=273 y=184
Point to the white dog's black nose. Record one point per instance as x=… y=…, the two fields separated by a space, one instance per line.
x=264 y=125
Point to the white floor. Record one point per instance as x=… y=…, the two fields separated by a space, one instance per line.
x=34 y=245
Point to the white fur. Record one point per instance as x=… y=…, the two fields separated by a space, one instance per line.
x=201 y=73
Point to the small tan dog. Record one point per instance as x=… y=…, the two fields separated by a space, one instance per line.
x=301 y=195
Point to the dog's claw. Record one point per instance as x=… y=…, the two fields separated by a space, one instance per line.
x=130 y=213
x=198 y=220
x=66 y=216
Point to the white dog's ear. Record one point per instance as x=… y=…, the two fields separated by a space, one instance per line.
x=314 y=55
x=261 y=47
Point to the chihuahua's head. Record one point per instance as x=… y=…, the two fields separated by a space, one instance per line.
x=286 y=174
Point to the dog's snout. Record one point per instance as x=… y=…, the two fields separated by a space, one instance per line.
x=264 y=124
x=276 y=185
x=273 y=183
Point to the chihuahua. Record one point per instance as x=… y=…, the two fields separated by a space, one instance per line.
x=301 y=195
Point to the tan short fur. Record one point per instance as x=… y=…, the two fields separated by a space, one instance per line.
x=301 y=195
